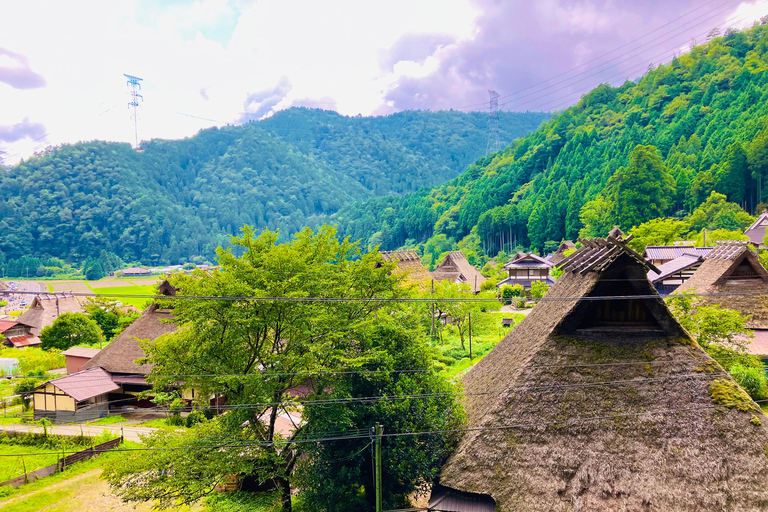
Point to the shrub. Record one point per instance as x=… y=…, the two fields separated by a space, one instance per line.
x=539 y=289
x=195 y=417
x=752 y=379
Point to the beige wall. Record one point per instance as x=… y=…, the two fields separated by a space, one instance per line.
x=51 y=398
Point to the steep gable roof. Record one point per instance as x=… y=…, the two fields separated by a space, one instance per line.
x=681 y=263
x=457 y=269
x=533 y=442
x=47 y=308
x=732 y=277
x=756 y=232
x=85 y=384
x=528 y=260
x=409 y=264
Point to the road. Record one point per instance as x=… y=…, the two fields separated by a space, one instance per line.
x=15 y=300
x=130 y=433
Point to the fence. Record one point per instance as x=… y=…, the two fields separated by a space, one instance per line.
x=62 y=463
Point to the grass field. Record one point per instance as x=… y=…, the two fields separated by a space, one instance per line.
x=13 y=463
x=139 y=302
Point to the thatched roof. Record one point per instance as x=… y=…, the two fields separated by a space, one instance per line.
x=545 y=372
x=409 y=264
x=730 y=268
x=3 y=286
x=457 y=269
x=558 y=256
x=47 y=308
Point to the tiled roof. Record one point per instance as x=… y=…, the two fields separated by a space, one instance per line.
x=759 y=344
x=7 y=324
x=529 y=260
x=670 y=252
x=80 y=352
x=85 y=384
x=27 y=340
x=676 y=265
x=756 y=232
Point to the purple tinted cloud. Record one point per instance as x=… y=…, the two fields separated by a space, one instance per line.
x=520 y=44
x=20 y=75
x=24 y=129
x=259 y=104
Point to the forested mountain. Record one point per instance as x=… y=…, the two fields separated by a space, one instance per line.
x=179 y=199
x=652 y=148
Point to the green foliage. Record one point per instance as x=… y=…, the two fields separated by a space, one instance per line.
x=649 y=149
x=107 y=314
x=511 y=291
x=538 y=289
x=23 y=388
x=337 y=475
x=181 y=199
x=69 y=330
x=716 y=213
x=448 y=305
x=752 y=379
x=658 y=232
x=34 y=360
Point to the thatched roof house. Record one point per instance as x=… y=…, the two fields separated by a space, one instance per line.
x=606 y=405
x=756 y=232
x=559 y=256
x=47 y=308
x=409 y=264
x=457 y=269
x=733 y=267
x=119 y=357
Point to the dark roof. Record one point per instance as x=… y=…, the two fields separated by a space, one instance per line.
x=712 y=278
x=683 y=262
x=445 y=499
x=457 y=269
x=528 y=260
x=646 y=458
x=558 y=256
x=756 y=232
x=670 y=252
x=121 y=354
x=85 y=384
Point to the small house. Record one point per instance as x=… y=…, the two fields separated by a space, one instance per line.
x=661 y=254
x=78 y=397
x=457 y=269
x=136 y=272
x=525 y=268
x=600 y=400
x=674 y=273
x=756 y=232
x=47 y=308
x=18 y=334
x=76 y=357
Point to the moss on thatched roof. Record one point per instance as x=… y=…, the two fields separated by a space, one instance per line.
x=552 y=370
x=732 y=269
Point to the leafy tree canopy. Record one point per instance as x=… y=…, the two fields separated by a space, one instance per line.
x=69 y=330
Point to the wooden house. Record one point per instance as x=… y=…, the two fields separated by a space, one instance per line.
x=660 y=254
x=82 y=396
x=756 y=232
x=457 y=269
x=525 y=268
x=605 y=404
x=47 y=308
x=674 y=273
x=18 y=334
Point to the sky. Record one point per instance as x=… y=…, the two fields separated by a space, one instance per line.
x=216 y=62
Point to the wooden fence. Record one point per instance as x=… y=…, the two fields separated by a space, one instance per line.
x=62 y=463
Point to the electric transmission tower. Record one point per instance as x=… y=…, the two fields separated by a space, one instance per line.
x=494 y=144
x=133 y=83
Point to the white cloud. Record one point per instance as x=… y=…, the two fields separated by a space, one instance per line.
x=229 y=50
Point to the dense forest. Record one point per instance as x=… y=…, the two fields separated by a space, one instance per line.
x=657 y=147
x=176 y=200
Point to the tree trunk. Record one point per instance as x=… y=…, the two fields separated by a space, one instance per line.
x=285 y=493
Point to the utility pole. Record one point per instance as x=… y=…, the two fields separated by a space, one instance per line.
x=133 y=83
x=494 y=144
x=470 y=336
x=432 y=332
x=378 y=431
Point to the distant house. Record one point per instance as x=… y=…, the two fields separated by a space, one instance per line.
x=559 y=255
x=76 y=358
x=652 y=439
x=47 y=308
x=18 y=334
x=457 y=269
x=81 y=396
x=756 y=232
x=409 y=264
x=136 y=272
x=732 y=277
x=525 y=268
x=661 y=254
x=674 y=273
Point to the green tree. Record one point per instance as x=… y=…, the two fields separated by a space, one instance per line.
x=337 y=475
x=642 y=191
x=270 y=346
x=717 y=213
x=448 y=299
x=658 y=232
x=596 y=218
x=69 y=330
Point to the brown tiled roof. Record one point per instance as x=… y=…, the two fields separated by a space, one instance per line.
x=85 y=384
x=7 y=324
x=26 y=340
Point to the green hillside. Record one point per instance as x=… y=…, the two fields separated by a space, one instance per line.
x=179 y=199
x=623 y=155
